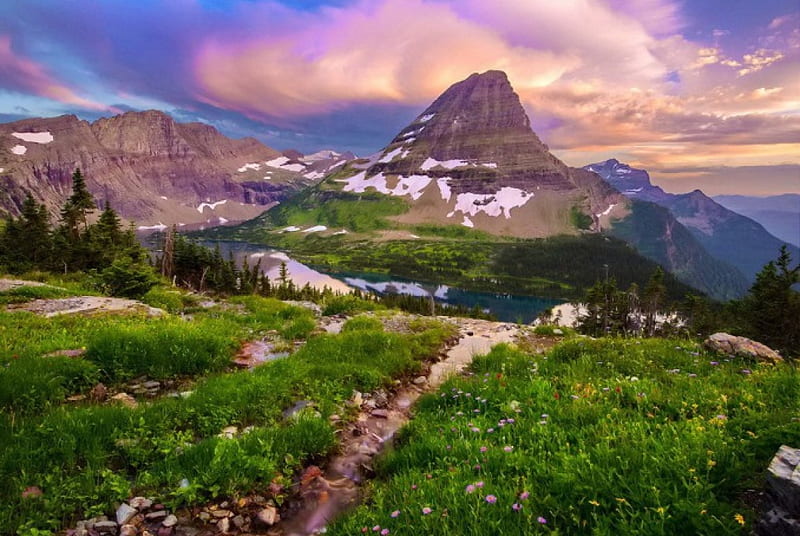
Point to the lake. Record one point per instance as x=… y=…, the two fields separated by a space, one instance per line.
x=507 y=308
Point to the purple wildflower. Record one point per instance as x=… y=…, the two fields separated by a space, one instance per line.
x=426 y=511
x=541 y=520
x=395 y=513
x=491 y=499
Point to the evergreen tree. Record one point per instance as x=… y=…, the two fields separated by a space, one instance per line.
x=79 y=205
x=772 y=308
x=653 y=300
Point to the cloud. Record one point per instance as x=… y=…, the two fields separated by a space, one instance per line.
x=22 y=74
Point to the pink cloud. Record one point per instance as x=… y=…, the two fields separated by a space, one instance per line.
x=27 y=75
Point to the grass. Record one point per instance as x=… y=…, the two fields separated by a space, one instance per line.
x=88 y=458
x=598 y=437
x=125 y=346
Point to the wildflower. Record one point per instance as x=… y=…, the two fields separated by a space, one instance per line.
x=491 y=499
x=516 y=507
x=693 y=375
x=384 y=532
x=413 y=486
x=634 y=379
x=364 y=530
x=746 y=372
x=477 y=467
x=541 y=520
x=739 y=519
x=721 y=417
x=556 y=396
x=376 y=528
x=395 y=513
x=479 y=484
x=524 y=495
x=574 y=397
x=475 y=429
x=713 y=363
x=484 y=449
x=618 y=389
x=426 y=511
x=545 y=415
x=594 y=503
x=470 y=488
x=510 y=421
x=508 y=448
x=490 y=430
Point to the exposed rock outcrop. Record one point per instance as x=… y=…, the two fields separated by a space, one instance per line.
x=782 y=516
x=732 y=345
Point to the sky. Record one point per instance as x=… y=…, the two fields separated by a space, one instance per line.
x=701 y=93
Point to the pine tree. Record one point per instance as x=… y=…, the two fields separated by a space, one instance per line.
x=653 y=300
x=79 y=205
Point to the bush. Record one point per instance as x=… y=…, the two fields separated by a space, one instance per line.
x=169 y=300
x=128 y=278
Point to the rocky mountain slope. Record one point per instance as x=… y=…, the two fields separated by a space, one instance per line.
x=779 y=214
x=150 y=168
x=728 y=236
x=471 y=160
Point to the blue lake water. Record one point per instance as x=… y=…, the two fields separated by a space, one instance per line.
x=508 y=308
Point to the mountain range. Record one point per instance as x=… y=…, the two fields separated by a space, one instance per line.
x=469 y=161
x=150 y=168
x=779 y=214
x=727 y=235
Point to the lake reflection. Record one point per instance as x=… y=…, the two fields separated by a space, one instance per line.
x=507 y=308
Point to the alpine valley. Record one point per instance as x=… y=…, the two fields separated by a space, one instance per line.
x=467 y=193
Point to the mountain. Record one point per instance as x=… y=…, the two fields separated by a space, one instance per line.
x=471 y=163
x=779 y=214
x=725 y=234
x=150 y=168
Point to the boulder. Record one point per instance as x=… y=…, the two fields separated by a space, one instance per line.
x=125 y=399
x=266 y=517
x=728 y=344
x=125 y=512
x=782 y=517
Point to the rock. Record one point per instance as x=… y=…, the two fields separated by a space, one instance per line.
x=158 y=515
x=221 y=513
x=420 y=380
x=151 y=385
x=128 y=530
x=357 y=398
x=105 y=527
x=81 y=532
x=204 y=516
x=76 y=398
x=169 y=521
x=99 y=392
x=164 y=531
x=728 y=344
x=369 y=405
x=239 y=521
x=783 y=479
x=229 y=432
x=125 y=399
x=381 y=398
x=558 y=331
x=125 y=512
x=141 y=503
x=223 y=525
x=67 y=353
x=266 y=517
x=380 y=413
x=334 y=418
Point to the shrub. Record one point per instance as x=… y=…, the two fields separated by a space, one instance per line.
x=128 y=278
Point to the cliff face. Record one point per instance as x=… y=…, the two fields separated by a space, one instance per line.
x=150 y=168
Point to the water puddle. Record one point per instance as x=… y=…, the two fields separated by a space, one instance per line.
x=254 y=353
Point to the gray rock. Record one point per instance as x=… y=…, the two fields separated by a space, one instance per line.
x=151 y=385
x=128 y=530
x=777 y=522
x=224 y=525
x=380 y=413
x=106 y=527
x=156 y=516
x=266 y=517
x=125 y=512
x=141 y=503
x=728 y=344
x=238 y=521
x=221 y=513
x=783 y=479
x=420 y=380
x=381 y=398
x=170 y=521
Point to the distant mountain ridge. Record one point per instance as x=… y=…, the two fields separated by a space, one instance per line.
x=151 y=168
x=779 y=214
x=471 y=160
x=727 y=235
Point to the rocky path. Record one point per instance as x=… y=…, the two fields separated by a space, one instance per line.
x=324 y=494
x=84 y=305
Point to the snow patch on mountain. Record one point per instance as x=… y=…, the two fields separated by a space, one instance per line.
x=283 y=163
x=494 y=205
x=202 y=206
x=467 y=222
x=444 y=188
x=316 y=229
x=159 y=227
x=431 y=163
x=254 y=166
x=413 y=185
x=607 y=211
x=19 y=150
x=426 y=118
x=34 y=137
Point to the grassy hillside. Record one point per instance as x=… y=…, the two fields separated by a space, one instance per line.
x=598 y=437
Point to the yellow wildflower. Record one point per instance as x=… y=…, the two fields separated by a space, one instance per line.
x=594 y=503
x=739 y=519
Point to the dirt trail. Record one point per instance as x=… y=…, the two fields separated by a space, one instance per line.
x=326 y=494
